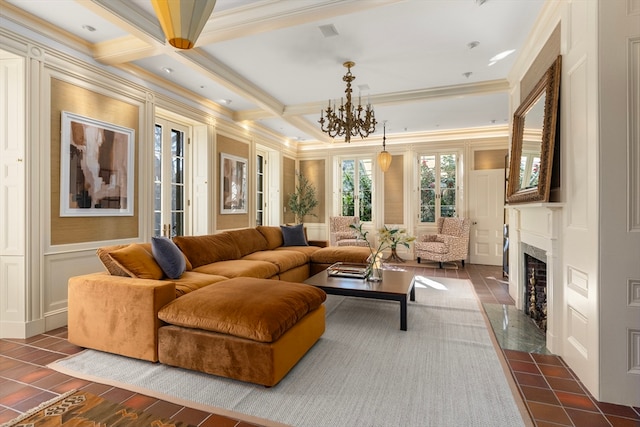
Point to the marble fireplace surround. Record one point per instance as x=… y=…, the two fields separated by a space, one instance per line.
x=537 y=227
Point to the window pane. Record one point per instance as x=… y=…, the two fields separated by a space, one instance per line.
x=177 y=221
x=348 y=187
x=427 y=188
x=448 y=185
x=365 y=190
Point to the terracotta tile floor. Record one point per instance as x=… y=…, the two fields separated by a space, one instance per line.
x=551 y=392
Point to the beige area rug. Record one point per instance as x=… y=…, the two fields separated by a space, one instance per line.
x=364 y=371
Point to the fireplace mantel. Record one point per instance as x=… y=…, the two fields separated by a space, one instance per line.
x=538 y=225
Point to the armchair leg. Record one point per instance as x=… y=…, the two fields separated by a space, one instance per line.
x=462 y=263
x=440 y=264
x=418 y=260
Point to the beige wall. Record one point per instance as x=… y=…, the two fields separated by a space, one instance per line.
x=239 y=149
x=288 y=187
x=489 y=159
x=394 y=191
x=314 y=171
x=68 y=97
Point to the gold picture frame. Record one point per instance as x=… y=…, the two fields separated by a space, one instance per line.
x=533 y=140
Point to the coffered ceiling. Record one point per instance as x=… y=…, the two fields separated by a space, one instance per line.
x=423 y=64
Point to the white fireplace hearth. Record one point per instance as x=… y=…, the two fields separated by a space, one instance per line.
x=536 y=227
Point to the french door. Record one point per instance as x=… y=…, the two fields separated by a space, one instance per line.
x=169 y=193
x=356 y=192
x=438 y=186
x=261 y=185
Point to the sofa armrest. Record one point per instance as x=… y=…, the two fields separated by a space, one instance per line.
x=117 y=314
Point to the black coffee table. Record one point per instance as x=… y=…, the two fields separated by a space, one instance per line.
x=395 y=285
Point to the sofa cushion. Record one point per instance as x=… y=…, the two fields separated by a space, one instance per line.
x=191 y=281
x=307 y=250
x=332 y=254
x=109 y=263
x=168 y=256
x=272 y=234
x=284 y=260
x=202 y=250
x=256 y=309
x=248 y=240
x=240 y=268
x=137 y=262
x=293 y=235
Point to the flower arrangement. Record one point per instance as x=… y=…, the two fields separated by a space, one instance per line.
x=388 y=238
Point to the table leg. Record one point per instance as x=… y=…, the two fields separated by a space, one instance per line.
x=403 y=314
x=412 y=293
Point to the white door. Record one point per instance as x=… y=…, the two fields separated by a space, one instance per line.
x=486 y=211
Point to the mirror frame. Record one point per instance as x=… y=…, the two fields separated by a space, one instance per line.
x=549 y=84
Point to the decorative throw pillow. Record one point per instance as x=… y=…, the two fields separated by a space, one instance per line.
x=137 y=262
x=293 y=235
x=168 y=256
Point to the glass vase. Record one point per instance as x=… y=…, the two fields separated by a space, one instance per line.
x=375 y=267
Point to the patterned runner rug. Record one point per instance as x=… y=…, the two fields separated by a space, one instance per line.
x=80 y=408
x=364 y=371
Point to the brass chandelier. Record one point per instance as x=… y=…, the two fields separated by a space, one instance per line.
x=348 y=120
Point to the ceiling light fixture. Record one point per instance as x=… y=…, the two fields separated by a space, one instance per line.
x=348 y=120
x=183 y=20
x=384 y=157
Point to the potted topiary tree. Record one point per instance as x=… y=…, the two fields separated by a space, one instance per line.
x=303 y=200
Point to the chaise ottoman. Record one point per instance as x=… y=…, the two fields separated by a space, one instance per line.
x=323 y=258
x=248 y=329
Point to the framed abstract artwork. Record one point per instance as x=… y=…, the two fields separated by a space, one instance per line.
x=233 y=184
x=96 y=167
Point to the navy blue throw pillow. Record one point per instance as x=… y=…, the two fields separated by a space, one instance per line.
x=170 y=259
x=293 y=235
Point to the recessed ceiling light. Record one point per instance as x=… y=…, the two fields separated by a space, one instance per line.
x=480 y=2
x=89 y=28
x=473 y=44
x=167 y=70
x=467 y=74
x=224 y=101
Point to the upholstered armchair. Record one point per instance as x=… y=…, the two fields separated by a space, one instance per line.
x=451 y=243
x=341 y=234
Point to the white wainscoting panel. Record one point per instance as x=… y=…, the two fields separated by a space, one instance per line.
x=634 y=133
x=56 y=276
x=577 y=326
x=634 y=351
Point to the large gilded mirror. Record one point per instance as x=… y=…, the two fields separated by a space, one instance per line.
x=533 y=140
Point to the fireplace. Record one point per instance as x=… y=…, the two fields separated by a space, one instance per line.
x=535 y=290
x=535 y=242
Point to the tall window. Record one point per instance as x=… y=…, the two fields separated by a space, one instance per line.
x=169 y=183
x=260 y=178
x=357 y=188
x=438 y=186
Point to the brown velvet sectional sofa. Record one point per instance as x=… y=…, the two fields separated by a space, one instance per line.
x=134 y=310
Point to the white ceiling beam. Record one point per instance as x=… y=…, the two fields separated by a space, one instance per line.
x=277 y=14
